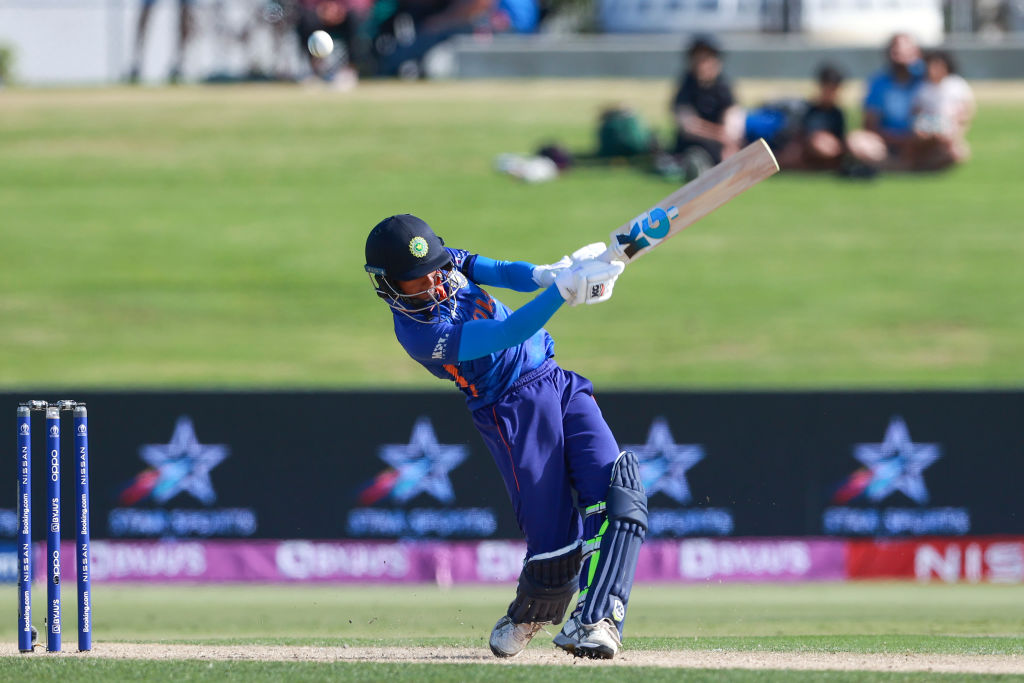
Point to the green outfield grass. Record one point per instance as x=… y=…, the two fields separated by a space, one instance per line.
x=214 y=237
x=807 y=618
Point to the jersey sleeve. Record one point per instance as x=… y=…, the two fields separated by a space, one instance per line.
x=515 y=275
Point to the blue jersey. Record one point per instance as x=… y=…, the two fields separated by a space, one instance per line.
x=893 y=100
x=436 y=345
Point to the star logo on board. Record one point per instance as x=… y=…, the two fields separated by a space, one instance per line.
x=423 y=464
x=664 y=463
x=183 y=464
x=420 y=466
x=895 y=464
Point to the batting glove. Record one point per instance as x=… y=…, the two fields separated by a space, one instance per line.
x=588 y=282
x=590 y=251
x=545 y=276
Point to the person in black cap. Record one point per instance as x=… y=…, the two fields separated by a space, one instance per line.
x=708 y=120
x=820 y=142
x=573 y=491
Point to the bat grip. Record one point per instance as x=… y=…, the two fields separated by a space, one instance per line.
x=614 y=253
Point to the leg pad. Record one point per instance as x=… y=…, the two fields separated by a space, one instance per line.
x=610 y=568
x=546 y=586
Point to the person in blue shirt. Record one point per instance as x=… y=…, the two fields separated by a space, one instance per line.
x=578 y=500
x=888 y=106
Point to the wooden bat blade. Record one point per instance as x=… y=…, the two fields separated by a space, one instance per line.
x=694 y=200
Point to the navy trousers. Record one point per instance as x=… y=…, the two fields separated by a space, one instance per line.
x=554 y=451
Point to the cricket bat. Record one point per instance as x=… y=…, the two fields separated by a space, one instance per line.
x=692 y=201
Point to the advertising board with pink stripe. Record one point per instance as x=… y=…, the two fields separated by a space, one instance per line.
x=695 y=560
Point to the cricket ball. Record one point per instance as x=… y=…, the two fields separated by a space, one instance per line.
x=320 y=44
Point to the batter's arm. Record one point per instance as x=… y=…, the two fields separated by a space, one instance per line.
x=483 y=337
x=514 y=275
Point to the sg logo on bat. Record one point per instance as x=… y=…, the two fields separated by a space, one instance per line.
x=647 y=229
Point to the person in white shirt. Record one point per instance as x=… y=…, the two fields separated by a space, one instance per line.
x=943 y=107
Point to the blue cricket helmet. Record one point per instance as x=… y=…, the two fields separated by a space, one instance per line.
x=402 y=248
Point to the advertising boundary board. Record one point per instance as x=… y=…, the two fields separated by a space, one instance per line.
x=443 y=563
x=977 y=559
x=377 y=466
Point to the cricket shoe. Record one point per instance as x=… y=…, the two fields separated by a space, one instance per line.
x=597 y=641
x=509 y=639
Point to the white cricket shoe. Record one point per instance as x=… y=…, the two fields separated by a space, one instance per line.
x=597 y=641
x=509 y=639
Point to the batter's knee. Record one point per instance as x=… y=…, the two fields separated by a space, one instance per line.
x=627 y=501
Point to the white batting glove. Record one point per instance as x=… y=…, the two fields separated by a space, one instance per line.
x=590 y=251
x=545 y=276
x=588 y=282
x=601 y=251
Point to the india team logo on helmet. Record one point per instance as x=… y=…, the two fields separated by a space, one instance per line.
x=418 y=247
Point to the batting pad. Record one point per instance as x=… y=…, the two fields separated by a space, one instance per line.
x=614 y=551
x=546 y=586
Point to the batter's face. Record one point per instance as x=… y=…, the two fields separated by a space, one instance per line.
x=430 y=286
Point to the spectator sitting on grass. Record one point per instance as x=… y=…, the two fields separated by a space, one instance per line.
x=887 y=136
x=943 y=108
x=820 y=140
x=709 y=123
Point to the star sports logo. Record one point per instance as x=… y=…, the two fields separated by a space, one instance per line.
x=420 y=466
x=664 y=463
x=895 y=464
x=180 y=465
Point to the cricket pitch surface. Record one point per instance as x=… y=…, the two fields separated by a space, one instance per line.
x=689 y=659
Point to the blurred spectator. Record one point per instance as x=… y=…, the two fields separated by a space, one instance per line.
x=888 y=120
x=345 y=21
x=419 y=25
x=820 y=140
x=709 y=123
x=184 y=31
x=943 y=108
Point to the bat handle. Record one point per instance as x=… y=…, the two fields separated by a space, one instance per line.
x=614 y=253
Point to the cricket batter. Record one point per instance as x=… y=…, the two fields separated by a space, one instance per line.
x=578 y=500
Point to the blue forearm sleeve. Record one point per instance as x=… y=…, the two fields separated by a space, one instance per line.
x=515 y=275
x=482 y=337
